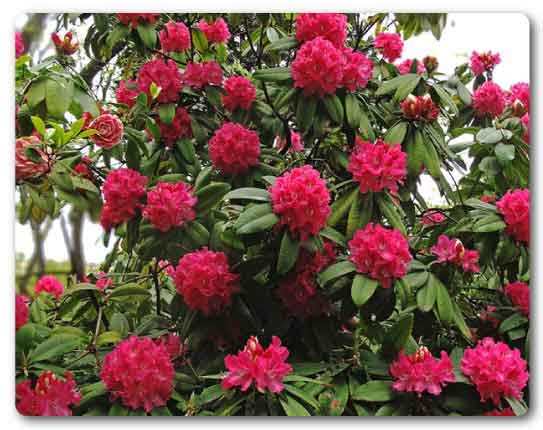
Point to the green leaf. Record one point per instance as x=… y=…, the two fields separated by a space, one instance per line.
x=362 y=289
x=431 y=159
x=256 y=194
x=518 y=406
x=390 y=212
x=282 y=44
x=341 y=206
x=119 y=323
x=108 y=337
x=397 y=133
x=512 y=322
x=210 y=394
x=504 y=153
x=489 y=223
x=374 y=391
x=443 y=299
x=252 y=213
x=390 y=86
x=197 y=233
x=58 y=96
x=416 y=279
x=130 y=291
x=166 y=112
x=478 y=204
x=209 y=196
x=336 y=271
x=309 y=399
x=463 y=93
x=333 y=106
x=426 y=296
x=489 y=135
x=273 y=74
x=446 y=99
x=55 y=346
x=293 y=408
x=260 y=224
x=199 y=40
x=305 y=111
x=288 y=253
x=400 y=332
x=333 y=235
x=39 y=125
x=118 y=411
x=36 y=93
x=407 y=86
x=352 y=111
x=147 y=34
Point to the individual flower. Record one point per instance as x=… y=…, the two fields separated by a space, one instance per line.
x=377 y=166
x=318 y=68
x=495 y=369
x=233 y=149
x=205 y=281
x=265 y=368
x=168 y=268
x=525 y=120
x=488 y=198
x=419 y=108
x=421 y=371
x=430 y=63
x=358 y=70
x=169 y=205
x=135 y=19
x=406 y=65
x=21 y=310
x=179 y=128
x=301 y=200
x=165 y=75
x=198 y=75
x=433 y=217
x=519 y=294
x=506 y=412
x=103 y=281
x=127 y=92
x=514 y=206
x=239 y=93
x=51 y=396
x=27 y=166
x=175 y=37
x=83 y=168
x=449 y=250
x=389 y=45
x=518 y=97
x=65 y=45
x=381 y=253
x=299 y=292
x=481 y=62
x=215 y=31
x=296 y=142
x=489 y=99
x=140 y=373
x=329 y=26
x=50 y=285
x=109 y=129
x=19 y=44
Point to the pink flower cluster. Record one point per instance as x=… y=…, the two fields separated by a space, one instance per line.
x=198 y=75
x=302 y=201
x=127 y=92
x=495 y=369
x=330 y=26
x=139 y=372
x=299 y=292
x=296 y=142
x=519 y=294
x=175 y=37
x=50 y=397
x=19 y=44
x=50 y=285
x=239 y=93
x=377 y=166
x=381 y=253
x=21 y=311
x=65 y=45
x=483 y=62
x=134 y=19
x=419 y=108
x=390 y=45
x=449 y=250
x=357 y=71
x=24 y=166
x=109 y=129
x=165 y=75
x=421 y=371
x=489 y=100
x=169 y=205
x=405 y=67
x=233 y=149
x=103 y=281
x=266 y=368
x=205 y=281
x=514 y=206
x=215 y=31
x=123 y=190
x=518 y=97
x=180 y=127
x=432 y=217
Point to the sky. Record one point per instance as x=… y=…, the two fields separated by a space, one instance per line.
x=506 y=33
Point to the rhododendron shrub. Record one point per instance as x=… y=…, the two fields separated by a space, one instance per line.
x=270 y=247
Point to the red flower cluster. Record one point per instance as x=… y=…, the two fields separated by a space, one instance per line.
x=134 y=19
x=205 y=281
x=419 y=108
x=50 y=285
x=127 y=92
x=378 y=166
x=432 y=217
x=405 y=67
x=301 y=200
x=422 y=372
x=103 y=281
x=514 y=206
x=449 y=250
x=21 y=311
x=65 y=45
x=175 y=37
x=519 y=294
x=19 y=44
x=109 y=129
x=216 y=31
x=180 y=127
x=266 y=368
x=507 y=412
x=390 y=45
x=165 y=75
x=518 y=97
x=239 y=93
x=24 y=166
x=358 y=70
x=169 y=205
x=296 y=142
x=483 y=62
x=381 y=253
x=139 y=372
x=330 y=26
x=198 y=75
x=489 y=99
x=233 y=149
x=123 y=191
x=495 y=369
x=299 y=292
x=51 y=396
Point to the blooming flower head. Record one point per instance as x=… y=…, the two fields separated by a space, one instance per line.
x=21 y=311
x=330 y=26
x=233 y=149
x=318 y=67
x=127 y=92
x=109 y=130
x=205 y=281
x=419 y=108
x=421 y=371
x=449 y=250
x=103 y=281
x=433 y=217
x=139 y=372
x=518 y=98
x=215 y=31
x=169 y=205
x=134 y=19
x=165 y=75
x=481 y=62
x=19 y=44
x=296 y=142
x=358 y=70
x=179 y=128
x=239 y=93
x=489 y=99
x=514 y=206
x=51 y=396
x=405 y=67
x=378 y=166
x=175 y=37
x=266 y=368
x=390 y=45
x=198 y=75
x=26 y=167
x=65 y=45
x=381 y=253
x=50 y=285
x=519 y=294
x=507 y=412
x=301 y=200
x=525 y=120
x=495 y=369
